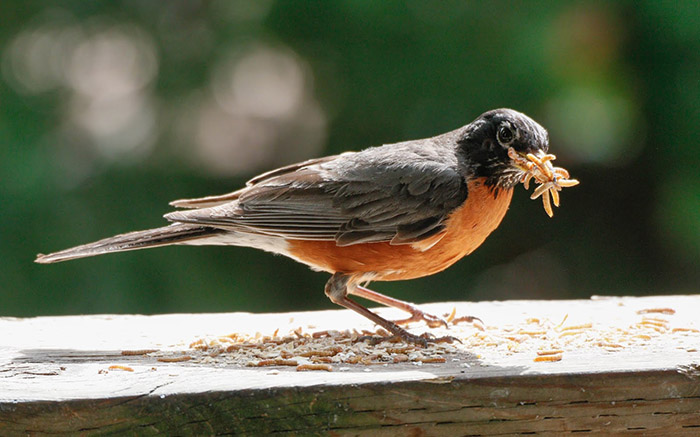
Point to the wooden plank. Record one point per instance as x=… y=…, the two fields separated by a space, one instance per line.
x=626 y=365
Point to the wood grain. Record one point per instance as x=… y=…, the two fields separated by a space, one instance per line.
x=55 y=375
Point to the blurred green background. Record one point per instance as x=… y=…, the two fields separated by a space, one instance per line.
x=110 y=109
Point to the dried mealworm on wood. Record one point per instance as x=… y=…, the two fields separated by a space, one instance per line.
x=398 y=350
x=609 y=345
x=452 y=315
x=531 y=333
x=548 y=358
x=432 y=360
x=566 y=316
x=274 y=362
x=653 y=323
x=198 y=344
x=118 y=367
x=316 y=353
x=684 y=330
x=551 y=352
x=655 y=319
x=669 y=311
x=400 y=358
x=174 y=359
x=567 y=333
x=577 y=327
x=326 y=367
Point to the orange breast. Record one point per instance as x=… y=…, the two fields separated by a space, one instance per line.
x=466 y=229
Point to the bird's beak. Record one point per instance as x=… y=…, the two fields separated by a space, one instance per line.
x=521 y=161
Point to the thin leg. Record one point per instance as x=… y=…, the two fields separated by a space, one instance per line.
x=337 y=290
x=416 y=313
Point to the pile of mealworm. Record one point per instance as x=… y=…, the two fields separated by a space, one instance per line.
x=532 y=339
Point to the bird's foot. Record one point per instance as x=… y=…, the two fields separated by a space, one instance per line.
x=429 y=319
x=475 y=321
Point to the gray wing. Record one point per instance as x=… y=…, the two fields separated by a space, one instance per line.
x=389 y=193
x=203 y=202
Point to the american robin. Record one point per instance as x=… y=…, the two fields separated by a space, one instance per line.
x=393 y=212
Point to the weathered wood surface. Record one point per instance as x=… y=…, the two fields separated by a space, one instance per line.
x=622 y=369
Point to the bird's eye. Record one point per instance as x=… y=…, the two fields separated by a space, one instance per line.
x=505 y=135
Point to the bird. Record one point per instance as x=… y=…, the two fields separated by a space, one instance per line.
x=386 y=213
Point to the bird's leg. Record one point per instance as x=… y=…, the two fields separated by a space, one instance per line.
x=337 y=289
x=416 y=313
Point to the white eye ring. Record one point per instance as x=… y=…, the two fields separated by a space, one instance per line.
x=506 y=134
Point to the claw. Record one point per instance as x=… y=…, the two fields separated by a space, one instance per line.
x=429 y=319
x=470 y=319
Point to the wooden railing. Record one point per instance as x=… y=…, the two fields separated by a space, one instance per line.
x=605 y=365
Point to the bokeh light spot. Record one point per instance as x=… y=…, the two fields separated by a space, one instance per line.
x=594 y=126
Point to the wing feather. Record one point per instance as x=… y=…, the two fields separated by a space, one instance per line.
x=209 y=201
x=391 y=193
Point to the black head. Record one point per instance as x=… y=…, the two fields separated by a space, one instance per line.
x=484 y=145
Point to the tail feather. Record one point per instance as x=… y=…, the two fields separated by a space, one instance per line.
x=173 y=234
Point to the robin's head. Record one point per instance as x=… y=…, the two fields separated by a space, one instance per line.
x=484 y=145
